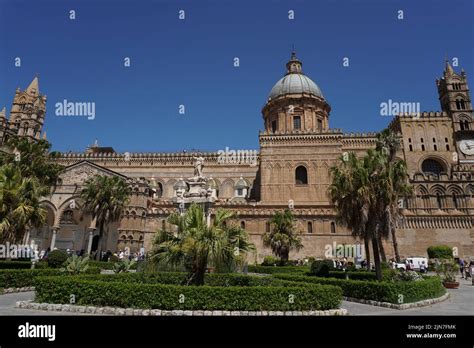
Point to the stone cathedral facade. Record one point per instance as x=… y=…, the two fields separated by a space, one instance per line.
x=291 y=169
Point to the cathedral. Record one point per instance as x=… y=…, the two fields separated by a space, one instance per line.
x=290 y=170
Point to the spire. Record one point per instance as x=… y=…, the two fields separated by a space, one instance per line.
x=448 y=68
x=33 y=88
x=3 y=113
x=44 y=136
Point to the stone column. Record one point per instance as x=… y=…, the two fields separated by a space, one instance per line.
x=53 y=240
x=91 y=236
x=208 y=218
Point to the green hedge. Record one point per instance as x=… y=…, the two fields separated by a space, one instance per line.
x=384 y=291
x=440 y=252
x=140 y=291
x=179 y=278
x=19 y=278
x=21 y=264
x=105 y=265
x=278 y=269
x=357 y=275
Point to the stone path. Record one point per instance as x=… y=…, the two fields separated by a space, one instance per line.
x=7 y=305
x=461 y=302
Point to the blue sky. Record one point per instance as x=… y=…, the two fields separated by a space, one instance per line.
x=190 y=62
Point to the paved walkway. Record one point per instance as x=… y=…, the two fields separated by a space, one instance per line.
x=8 y=301
x=461 y=302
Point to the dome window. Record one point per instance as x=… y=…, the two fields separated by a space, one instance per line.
x=296 y=122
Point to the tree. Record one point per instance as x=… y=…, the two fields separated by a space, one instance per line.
x=195 y=245
x=282 y=237
x=19 y=203
x=104 y=198
x=394 y=184
x=33 y=159
x=365 y=192
x=349 y=192
x=27 y=174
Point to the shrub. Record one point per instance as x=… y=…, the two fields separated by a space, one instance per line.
x=104 y=292
x=19 y=278
x=440 y=252
x=56 y=258
x=356 y=275
x=321 y=268
x=270 y=261
x=75 y=265
x=447 y=271
x=384 y=291
x=15 y=264
x=278 y=269
x=21 y=264
x=124 y=266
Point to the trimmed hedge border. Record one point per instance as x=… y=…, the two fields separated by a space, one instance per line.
x=106 y=264
x=22 y=265
x=20 y=278
x=383 y=291
x=278 y=269
x=159 y=312
x=223 y=292
x=403 y=306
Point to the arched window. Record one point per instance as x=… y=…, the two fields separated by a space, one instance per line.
x=242 y=225
x=310 y=227
x=431 y=166
x=333 y=227
x=455 y=201
x=301 y=176
x=159 y=190
x=439 y=201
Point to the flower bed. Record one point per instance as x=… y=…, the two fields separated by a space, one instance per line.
x=384 y=291
x=162 y=291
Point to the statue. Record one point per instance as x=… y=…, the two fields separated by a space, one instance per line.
x=198 y=166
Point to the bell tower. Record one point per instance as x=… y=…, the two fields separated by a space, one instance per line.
x=455 y=99
x=28 y=111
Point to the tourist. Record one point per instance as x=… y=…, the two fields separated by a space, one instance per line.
x=467 y=271
x=423 y=267
x=461 y=267
x=121 y=255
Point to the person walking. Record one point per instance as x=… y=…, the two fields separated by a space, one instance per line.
x=461 y=267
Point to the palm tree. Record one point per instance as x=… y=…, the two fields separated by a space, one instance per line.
x=282 y=236
x=394 y=185
x=34 y=159
x=104 y=198
x=195 y=245
x=349 y=192
x=19 y=203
